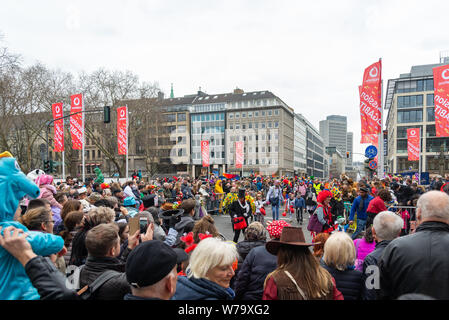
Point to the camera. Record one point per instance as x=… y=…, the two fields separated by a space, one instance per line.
x=143 y=223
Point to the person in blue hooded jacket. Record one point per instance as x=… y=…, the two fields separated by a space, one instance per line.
x=359 y=206
x=14 y=185
x=211 y=268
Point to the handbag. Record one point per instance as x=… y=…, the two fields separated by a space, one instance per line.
x=262 y=211
x=314 y=224
x=239 y=223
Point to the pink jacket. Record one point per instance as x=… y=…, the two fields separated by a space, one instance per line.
x=47 y=192
x=363 y=248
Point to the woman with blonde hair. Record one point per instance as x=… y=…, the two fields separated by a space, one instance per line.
x=338 y=259
x=209 y=272
x=299 y=275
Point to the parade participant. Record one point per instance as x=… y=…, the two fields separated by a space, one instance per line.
x=338 y=259
x=310 y=199
x=377 y=205
x=299 y=275
x=274 y=197
x=416 y=263
x=323 y=211
x=209 y=272
x=229 y=199
x=239 y=209
x=260 y=210
x=359 y=206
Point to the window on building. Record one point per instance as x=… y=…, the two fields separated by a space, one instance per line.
x=276 y=112
x=181 y=117
x=430 y=131
x=270 y=125
x=256 y=113
x=237 y=115
x=262 y=125
x=270 y=113
x=171 y=117
x=99 y=154
x=237 y=126
x=276 y=124
x=243 y=126
x=250 y=125
x=231 y=115
x=430 y=114
x=262 y=113
x=243 y=114
x=250 y=114
x=429 y=100
x=410 y=116
x=410 y=101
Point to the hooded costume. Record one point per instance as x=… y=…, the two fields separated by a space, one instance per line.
x=14 y=185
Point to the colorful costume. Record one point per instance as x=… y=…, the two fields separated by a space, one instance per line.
x=14 y=185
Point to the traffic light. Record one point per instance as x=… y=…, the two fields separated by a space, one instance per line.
x=107 y=114
x=47 y=166
x=347 y=155
x=51 y=166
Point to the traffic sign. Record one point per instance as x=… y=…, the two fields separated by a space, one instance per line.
x=373 y=164
x=370 y=152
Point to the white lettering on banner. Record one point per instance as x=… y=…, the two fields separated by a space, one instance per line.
x=442 y=101
x=443 y=74
x=441 y=112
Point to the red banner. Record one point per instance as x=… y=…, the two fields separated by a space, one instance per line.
x=205 y=152
x=77 y=121
x=239 y=154
x=56 y=108
x=413 y=144
x=370 y=96
x=122 y=130
x=441 y=98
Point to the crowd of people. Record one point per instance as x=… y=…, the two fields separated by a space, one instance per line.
x=104 y=236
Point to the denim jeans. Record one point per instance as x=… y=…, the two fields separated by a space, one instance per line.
x=275 y=212
x=360 y=227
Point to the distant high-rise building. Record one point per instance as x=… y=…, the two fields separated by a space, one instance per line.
x=349 y=148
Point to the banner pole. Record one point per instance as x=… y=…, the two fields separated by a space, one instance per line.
x=63 y=165
x=127 y=126
x=381 y=134
x=83 y=142
x=419 y=163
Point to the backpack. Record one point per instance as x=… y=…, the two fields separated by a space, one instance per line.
x=88 y=291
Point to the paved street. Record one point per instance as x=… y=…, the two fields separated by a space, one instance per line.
x=223 y=223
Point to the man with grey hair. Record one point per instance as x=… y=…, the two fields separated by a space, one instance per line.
x=419 y=262
x=386 y=227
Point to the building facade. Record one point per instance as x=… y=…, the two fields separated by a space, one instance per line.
x=334 y=131
x=315 y=157
x=410 y=104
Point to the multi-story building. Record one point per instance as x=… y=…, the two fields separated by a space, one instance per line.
x=334 y=132
x=165 y=136
x=350 y=150
x=337 y=162
x=300 y=146
x=410 y=104
x=315 y=157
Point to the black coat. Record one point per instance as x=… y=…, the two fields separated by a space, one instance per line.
x=348 y=282
x=243 y=248
x=49 y=281
x=417 y=263
x=372 y=259
x=236 y=209
x=114 y=289
x=251 y=277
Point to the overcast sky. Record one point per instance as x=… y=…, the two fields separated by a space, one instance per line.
x=311 y=54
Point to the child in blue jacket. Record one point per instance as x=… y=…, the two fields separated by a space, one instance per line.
x=300 y=205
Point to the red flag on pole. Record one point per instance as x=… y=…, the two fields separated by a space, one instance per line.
x=413 y=144
x=205 y=152
x=76 y=121
x=239 y=154
x=370 y=96
x=56 y=108
x=122 y=130
x=441 y=98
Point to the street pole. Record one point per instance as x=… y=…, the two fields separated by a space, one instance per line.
x=419 y=163
x=63 y=165
x=82 y=149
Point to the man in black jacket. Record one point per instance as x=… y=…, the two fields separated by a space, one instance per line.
x=103 y=246
x=238 y=209
x=386 y=227
x=419 y=263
